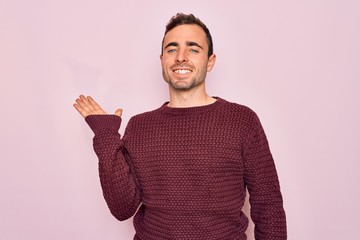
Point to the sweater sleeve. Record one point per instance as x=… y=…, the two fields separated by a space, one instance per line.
x=261 y=179
x=117 y=180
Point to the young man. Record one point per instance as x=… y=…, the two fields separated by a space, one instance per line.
x=184 y=167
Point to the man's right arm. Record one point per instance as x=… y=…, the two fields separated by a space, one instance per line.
x=117 y=181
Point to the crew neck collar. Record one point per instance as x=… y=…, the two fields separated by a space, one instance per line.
x=191 y=110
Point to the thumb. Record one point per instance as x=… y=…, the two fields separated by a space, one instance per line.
x=118 y=112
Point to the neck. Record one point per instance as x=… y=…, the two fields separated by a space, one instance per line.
x=183 y=99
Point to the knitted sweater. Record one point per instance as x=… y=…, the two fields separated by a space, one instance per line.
x=188 y=170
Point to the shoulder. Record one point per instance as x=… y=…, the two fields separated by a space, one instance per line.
x=245 y=119
x=238 y=110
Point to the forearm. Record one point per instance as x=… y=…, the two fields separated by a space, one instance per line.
x=117 y=180
x=266 y=202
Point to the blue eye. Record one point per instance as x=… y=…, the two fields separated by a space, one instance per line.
x=171 y=50
x=194 y=51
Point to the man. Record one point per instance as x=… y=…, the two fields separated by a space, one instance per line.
x=184 y=167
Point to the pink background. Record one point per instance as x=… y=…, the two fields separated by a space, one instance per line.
x=296 y=63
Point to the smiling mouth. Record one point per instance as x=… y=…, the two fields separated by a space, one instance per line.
x=182 y=71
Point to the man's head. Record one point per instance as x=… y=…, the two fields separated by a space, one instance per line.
x=180 y=19
x=187 y=53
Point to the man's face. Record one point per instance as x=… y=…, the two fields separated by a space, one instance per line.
x=185 y=60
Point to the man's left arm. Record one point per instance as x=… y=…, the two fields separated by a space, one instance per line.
x=262 y=182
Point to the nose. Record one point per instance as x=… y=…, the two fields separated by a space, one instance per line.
x=181 y=56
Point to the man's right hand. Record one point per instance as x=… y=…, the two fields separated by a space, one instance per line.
x=87 y=106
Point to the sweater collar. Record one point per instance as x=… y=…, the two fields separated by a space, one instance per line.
x=191 y=110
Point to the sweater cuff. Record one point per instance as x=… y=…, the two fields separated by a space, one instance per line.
x=98 y=122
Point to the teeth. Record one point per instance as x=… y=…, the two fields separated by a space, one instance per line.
x=182 y=71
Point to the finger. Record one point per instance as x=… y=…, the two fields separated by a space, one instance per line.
x=118 y=112
x=81 y=100
x=83 y=105
x=86 y=103
x=94 y=104
x=80 y=110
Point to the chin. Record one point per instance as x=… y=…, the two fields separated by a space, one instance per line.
x=183 y=86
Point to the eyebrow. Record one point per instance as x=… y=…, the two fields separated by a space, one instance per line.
x=172 y=44
x=193 y=44
x=190 y=44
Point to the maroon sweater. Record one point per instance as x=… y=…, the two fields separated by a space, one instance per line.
x=188 y=170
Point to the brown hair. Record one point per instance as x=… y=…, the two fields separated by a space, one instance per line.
x=180 y=19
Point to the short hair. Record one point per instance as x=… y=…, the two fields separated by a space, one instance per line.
x=181 y=19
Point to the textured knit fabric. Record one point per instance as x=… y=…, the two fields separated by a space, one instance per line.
x=188 y=170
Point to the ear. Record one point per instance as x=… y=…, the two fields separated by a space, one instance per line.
x=211 y=62
x=161 y=58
